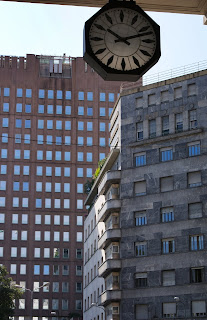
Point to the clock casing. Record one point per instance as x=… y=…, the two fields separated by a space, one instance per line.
x=121 y=42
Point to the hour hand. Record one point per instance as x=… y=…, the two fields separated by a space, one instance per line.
x=120 y=39
x=136 y=36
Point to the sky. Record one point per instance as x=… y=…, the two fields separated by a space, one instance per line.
x=55 y=29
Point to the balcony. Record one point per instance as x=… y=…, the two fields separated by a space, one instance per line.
x=108 y=266
x=109 y=236
x=109 y=178
x=108 y=296
x=113 y=205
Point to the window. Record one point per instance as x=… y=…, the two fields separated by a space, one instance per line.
x=27 y=108
x=68 y=110
x=25 y=186
x=193 y=119
x=169 y=310
x=48 y=171
x=196 y=243
x=80 y=125
x=38 y=203
x=166 y=184
x=111 y=97
x=164 y=96
x=39 y=171
x=58 y=155
x=140 y=159
x=80 y=156
x=140 y=249
x=65 y=270
x=67 y=140
x=41 y=93
x=168 y=246
x=179 y=122
x=102 y=96
x=102 y=126
x=55 y=270
x=2 y=185
x=58 y=109
x=28 y=93
x=168 y=278
x=89 y=157
x=18 y=123
x=89 y=126
x=19 y=92
x=65 y=253
x=102 y=112
x=198 y=308
x=80 y=141
x=89 y=141
x=41 y=108
x=140 y=188
x=48 y=155
x=40 y=138
x=79 y=236
x=165 y=125
x=80 y=111
x=66 y=172
x=152 y=128
x=27 y=124
x=68 y=95
x=90 y=96
x=139 y=131
x=89 y=173
x=178 y=93
x=166 y=154
x=3 y=169
x=142 y=312
x=50 y=94
x=39 y=155
x=102 y=142
x=55 y=304
x=58 y=125
x=89 y=111
x=191 y=89
x=110 y=111
x=79 y=204
x=5 y=107
x=78 y=286
x=36 y=269
x=78 y=304
x=151 y=99
x=19 y=107
x=195 y=210
x=167 y=214
x=48 y=186
x=6 y=92
x=194 y=149
x=80 y=95
x=140 y=218
x=66 y=220
x=50 y=124
x=50 y=109
x=40 y=124
x=194 y=179
x=55 y=287
x=4 y=138
x=197 y=275
x=59 y=94
x=17 y=154
x=140 y=279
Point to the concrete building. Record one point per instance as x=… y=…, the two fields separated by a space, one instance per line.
x=54 y=129
x=148 y=214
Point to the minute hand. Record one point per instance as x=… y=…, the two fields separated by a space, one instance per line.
x=135 y=36
x=120 y=39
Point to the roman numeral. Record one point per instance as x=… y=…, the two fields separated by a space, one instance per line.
x=123 y=64
x=148 y=41
x=145 y=53
x=108 y=18
x=110 y=60
x=134 y=19
x=121 y=16
x=100 y=51
x=136 y=61
x=144 y=29
x=100 y=27
x=96 y=39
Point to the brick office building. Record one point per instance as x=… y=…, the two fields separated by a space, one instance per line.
x=54 y=130
x=145 y=235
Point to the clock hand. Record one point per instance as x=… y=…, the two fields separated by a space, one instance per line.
x=120 y=39
x=136 y=36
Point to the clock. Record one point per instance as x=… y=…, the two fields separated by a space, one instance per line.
x=121 y=42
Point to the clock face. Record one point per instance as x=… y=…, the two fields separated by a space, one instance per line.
x=122 y=39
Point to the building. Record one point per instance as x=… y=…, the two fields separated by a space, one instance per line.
x=146 y=235
x=54 y=129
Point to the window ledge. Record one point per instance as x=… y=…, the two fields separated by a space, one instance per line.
x=167 y=137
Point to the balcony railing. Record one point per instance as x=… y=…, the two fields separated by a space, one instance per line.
x=174 y=73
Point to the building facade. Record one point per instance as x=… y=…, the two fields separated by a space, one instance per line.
x=151 y=207
x=54 y=129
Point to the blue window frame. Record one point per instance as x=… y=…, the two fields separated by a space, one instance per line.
x=140 y=219
x=28 y=93
x=6 y=92
x=80 y=95
x=102 y=96
x=167 y=215
x=140 y=160
x=68 y=95
x=194 y=150
x=19 y=92
x=41 y=93
x=166 y=155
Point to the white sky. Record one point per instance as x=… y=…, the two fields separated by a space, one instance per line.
x=54 y=30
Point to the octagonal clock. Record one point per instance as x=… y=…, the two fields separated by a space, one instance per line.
x=121 y=42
